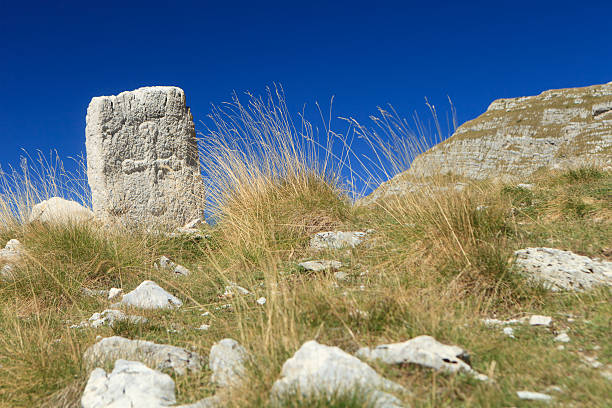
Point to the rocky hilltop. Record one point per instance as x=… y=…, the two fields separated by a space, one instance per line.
x=558 y=128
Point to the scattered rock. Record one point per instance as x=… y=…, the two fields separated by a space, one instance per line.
x=553 y=388
x=261 y=301
x=320 y=265
x=166 y=264
x=130 y=384
x=533 y=396
x=563 y=270
x=227 y=361
x=526 y=186
x=142 y=158
x=509 y=331
x=12 y=254
x=158 y=356
x=233 y=289
x=336 y=240
x=204 y=327
x=94 y=292
x=57 y=210
x=316 y=369
x=425 y=351
x=108 y=318
x=149 y=295
x=341 y=276
x=563 y=337
x=497 y=322
x=590 y=361
x=115 y=293
x=538 y=320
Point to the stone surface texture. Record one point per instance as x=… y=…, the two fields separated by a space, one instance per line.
x=533 y=396
x=422 y=350
x=157 y=356
x=166 y=263
x=563 y=270
x=320 y=370
x=58 y=210
x=130 y=384
x=320 y=265
x=12 y=253
x=142 y=158
x=149 y=295
x=108 y=318
x=336 y=239
x=226 y=360
x=560 y=128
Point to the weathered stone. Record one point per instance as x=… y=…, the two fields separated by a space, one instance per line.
x=166 y=264
x=533 y=396
x=158 y=356
x=130 y=384
x=57 y=210
x=336 y=239
x=142 y=158
x=13 y=253
x=538 y=320
x=234 y=289
x=149 y=295
x=562 y=337
x=115 y=293
x=261 y=301
x=227 y=360
x=320 y=265
x=425 y=351
x=108 y=318
x=508 y=331
x=561 y=128
x=316 y=370
x=563 y=270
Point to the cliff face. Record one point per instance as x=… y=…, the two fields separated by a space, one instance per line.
x=514 y=137
x=559 y=128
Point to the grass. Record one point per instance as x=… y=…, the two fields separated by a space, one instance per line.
x=437 y=262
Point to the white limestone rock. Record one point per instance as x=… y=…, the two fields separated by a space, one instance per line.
x=115 y=293
x=336 y=239
x=533 y=396
x=13 y=253
x=57 y=210
x=130 y=384
x=320 y=265
x=233 y=289
x=539 y=320
x=425 y=351
x=563 y=270
x=158 y=356
x=108 y=318
x=316 y=370
x=149 y=295
x=166 y=264
x=562 y=337
x=227 y=360
x=142 y=158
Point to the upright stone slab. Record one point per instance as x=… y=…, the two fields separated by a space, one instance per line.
x=142 y=158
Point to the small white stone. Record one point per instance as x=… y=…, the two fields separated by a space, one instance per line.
x=320 y=265
x=509 y=331
x=205 y=314
x=562 y=337
x=204 y=327
x=560 y=347
x=114 y=293
x=233 y=289
x=261 y=301
x=149 y=295
x=538 y=320
x=533 y=396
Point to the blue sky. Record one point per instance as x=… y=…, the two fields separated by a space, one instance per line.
x=56 y=55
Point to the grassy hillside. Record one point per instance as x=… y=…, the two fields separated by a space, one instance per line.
x=437 y=263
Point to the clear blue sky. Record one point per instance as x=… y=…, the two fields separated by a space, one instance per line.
x=56 y=55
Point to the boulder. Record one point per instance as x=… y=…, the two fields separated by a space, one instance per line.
x=316 y=370
x=227 y=360
x=425 y=351
x=132 y=384
x=158 y=356
x=149 y=295
x=336 y=239
x=57 y=210
x=142 y=158
x=562 y=270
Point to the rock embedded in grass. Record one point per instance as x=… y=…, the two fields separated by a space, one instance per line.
x=227 y=360
x=317 y=370
x=538 y=320
x=165 y=263
x=149 y=295
x=60 y=211
x=336 y=239
x=533 y=396
x=108 y=318
x=13 y=253
x=320 y=265
x=425 y=351
x=563 y=270
x=133 y=384
x=158 y=356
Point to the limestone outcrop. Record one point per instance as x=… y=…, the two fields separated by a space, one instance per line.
x=142 y=158
x=560 y=128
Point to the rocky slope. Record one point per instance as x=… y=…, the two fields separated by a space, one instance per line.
x=557 y=129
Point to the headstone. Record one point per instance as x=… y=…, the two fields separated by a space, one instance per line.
x=142 y=158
